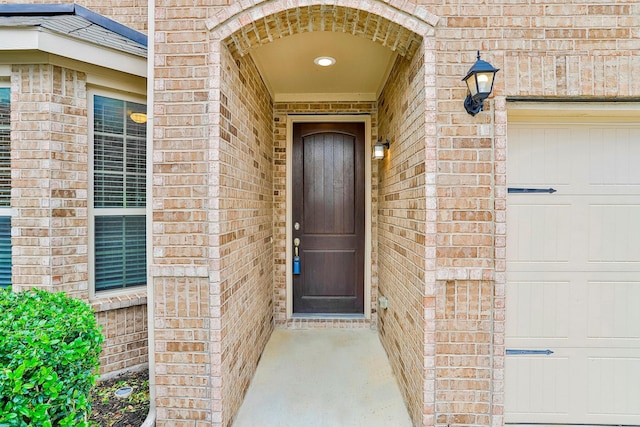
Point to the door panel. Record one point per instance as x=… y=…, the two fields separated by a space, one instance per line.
x=328 y=177
x=328 y=205
x=335 y=267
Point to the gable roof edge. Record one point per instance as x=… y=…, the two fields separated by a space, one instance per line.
x=74 y=9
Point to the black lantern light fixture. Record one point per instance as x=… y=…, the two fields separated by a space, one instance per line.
x=479 y=81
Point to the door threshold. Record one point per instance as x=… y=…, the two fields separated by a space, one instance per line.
x=323 y=316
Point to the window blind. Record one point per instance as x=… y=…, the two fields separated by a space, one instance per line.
x=120 y=251
x=5 y=187
x=119 y=180
x=5 y=148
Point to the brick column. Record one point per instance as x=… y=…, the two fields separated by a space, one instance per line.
x=468 y=305
x=186 y=307
x=49 y=179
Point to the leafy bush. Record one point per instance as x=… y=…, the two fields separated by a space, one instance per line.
x=49 y=350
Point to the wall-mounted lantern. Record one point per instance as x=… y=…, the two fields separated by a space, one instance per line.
x=479 y=81
x=378 y=149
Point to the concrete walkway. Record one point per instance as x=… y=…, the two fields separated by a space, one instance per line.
x=323 y=377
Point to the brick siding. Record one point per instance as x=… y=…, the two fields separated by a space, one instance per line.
x=245 y=218
x=49 y=162
x=49 y=179
x=186 y=280
x=230 y=235
x=401 y=227
x=125 y=331
x=219 y=191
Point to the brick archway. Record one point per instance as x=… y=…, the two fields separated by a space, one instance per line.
x=332 y=18
x=236 y=99
x=398 y=29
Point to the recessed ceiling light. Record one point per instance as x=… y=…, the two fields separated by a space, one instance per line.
x=324 y=61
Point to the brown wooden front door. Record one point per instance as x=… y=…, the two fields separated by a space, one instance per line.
x=328 y=217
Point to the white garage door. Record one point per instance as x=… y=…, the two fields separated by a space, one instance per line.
x=573 y=273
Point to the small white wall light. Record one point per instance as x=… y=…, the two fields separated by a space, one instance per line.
x=378 y=149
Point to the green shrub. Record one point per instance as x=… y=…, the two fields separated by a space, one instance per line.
x=49 y=350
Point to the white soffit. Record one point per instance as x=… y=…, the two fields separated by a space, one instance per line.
x=37 y=39
x=287 y=68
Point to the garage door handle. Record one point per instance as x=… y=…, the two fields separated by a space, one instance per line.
x=511 y=351
x=530 y=190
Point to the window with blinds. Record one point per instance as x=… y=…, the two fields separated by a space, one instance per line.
x=119 y=193
x=5 y=188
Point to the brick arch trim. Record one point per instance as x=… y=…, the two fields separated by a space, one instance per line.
x=400 y=30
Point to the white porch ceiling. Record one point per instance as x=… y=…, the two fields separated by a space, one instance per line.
x=359 y=74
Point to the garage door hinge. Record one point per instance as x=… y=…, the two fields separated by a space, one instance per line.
x=511 y=351
x=531 y=190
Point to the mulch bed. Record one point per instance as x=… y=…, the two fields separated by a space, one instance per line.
x=111 y=411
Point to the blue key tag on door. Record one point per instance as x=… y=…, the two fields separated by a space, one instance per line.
x=296 y=265
x=296 y=258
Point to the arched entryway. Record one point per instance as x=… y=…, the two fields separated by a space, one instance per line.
x=250 y=114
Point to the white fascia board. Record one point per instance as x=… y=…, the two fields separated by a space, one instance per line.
x=45 y=41
x=18 y=38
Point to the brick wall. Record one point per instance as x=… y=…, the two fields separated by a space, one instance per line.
x=573 y=49
x=49 y=179
x=125 y=331
x=441 y=191
x=401 y=227
x=213 y=204
x=186 y=304
x=245 y=221
x=49 y=162
x=464 y=362
x=183 y=341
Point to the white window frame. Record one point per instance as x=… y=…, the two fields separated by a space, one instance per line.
x=91 y=211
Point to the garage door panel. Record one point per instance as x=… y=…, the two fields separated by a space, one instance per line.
x=613 y=157
x=613 y=312
x=532 y=232
x=539 y=159
x=614 y=233
x=538 y=385
x=573 y=274
x=575 y=160
x=527 y=300
x=534 y=223
x=609 y=389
